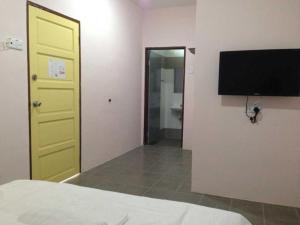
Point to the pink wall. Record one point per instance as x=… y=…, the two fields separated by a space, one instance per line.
x=111 y=58
x=168 y=27
x=14 y=152
x=232 y=157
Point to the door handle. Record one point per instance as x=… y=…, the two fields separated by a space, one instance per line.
x=36 y=104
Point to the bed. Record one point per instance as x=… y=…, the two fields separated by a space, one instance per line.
x=45 y=203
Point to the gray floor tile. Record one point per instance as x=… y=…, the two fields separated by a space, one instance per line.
x=145 y=180
x=157 y=193
x=87 y=180
x=179 y=171
x=253 y=211
x=161 y=168
x=185 y=187
x=136 y=170
x=192 y=198
x=169 y=183
x=254 y=220
x=216 y=202
x=247 y=206
x=133 y=190
x=108 y=187
x=298 y=213
x=186 y=197
x=174 y=196
x=169 y=142
x=105 y=170
x=280 y=223
x=275 y=214
x=164 y=172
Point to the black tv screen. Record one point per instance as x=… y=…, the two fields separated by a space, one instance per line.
x=260 y=72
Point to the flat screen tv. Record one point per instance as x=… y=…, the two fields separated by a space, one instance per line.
x=260 y=72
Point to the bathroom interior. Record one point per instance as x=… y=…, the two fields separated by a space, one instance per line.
x=165 y=97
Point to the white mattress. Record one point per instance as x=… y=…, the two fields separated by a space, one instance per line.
x=45 y=203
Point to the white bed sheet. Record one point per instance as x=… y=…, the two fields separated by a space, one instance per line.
x=20 y=197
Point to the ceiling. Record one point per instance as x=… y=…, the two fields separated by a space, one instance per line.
x=154 y=4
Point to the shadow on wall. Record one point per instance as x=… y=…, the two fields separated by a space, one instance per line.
x=3 y=46
x=292 y=103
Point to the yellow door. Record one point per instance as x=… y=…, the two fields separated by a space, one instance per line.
x=54 y=95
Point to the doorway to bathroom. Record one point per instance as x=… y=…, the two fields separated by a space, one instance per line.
x=164 y=96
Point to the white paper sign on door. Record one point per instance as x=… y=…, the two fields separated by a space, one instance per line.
x=57 y=69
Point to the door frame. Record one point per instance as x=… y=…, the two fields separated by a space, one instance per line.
x=29 y=3
x=146 y=97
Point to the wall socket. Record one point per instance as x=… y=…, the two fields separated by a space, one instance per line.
x=14 y=43
x=254 y=105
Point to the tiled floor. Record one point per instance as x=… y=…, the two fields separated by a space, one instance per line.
x=169 y=143
x=165 y=172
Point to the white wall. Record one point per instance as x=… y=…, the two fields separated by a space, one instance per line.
x=232 y=157
x=110 y=69
x=173 y=27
